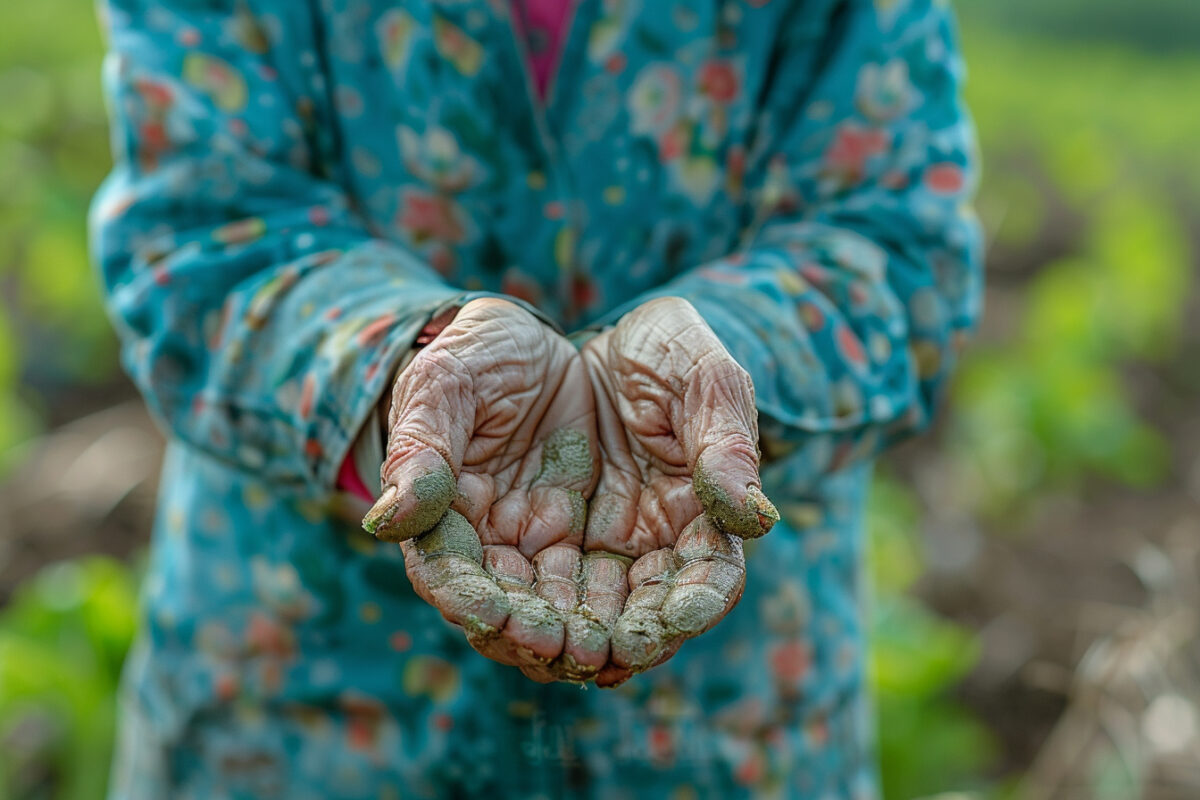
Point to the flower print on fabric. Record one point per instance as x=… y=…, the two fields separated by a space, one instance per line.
x=300 y=187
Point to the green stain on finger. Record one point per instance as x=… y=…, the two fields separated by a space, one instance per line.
x=641 y=637
x=690 y=609
x=534 y=613
x=452 y=535
x=749 y=520
x=571 y=671
x=434 y=492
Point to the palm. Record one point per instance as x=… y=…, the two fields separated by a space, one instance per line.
x=491 y=456
x=679 y=484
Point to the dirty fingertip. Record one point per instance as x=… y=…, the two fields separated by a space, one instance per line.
x=534 y=626
x=749 y=516
x=417 y=495
x=694 y=608
x=611 y=676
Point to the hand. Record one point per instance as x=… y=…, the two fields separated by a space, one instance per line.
x=491 y=455
x=679 y=486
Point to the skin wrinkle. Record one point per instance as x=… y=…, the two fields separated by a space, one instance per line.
x=525 y=445
x=649 y=426
x=602 y=590
x=472 y=331
x=475 y=487
x=410 y=409
x=500 y=455
x=505 y=414
x=522 y=539
x=506 y=464
x=669 y=415
x=525 y=618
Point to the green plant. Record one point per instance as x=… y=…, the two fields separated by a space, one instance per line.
x=1091 y=171
x=62 y=641
x=53 y=154
x=927 y=742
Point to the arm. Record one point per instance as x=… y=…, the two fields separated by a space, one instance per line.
x=258 y=316
x=860 y=267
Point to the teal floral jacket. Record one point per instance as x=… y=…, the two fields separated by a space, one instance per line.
x=301 y=184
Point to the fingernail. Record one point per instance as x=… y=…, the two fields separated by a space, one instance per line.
x=382 y=512
x=768 y=515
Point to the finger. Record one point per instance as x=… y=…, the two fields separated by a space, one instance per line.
x=557 y=571
x=604 y=587
x=430 y=421
x=639 y=636
x=735 y=507
x=710 y=574
x=445 y=567
x=418 y=489
x=719 y=432
x=512 y=572
x=709 y=578
x=533 y=633
x=611 y=676
x=534 y=628
x=559 y=575
x=506 y=565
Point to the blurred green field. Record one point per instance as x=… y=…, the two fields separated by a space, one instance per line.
x=1079 y=387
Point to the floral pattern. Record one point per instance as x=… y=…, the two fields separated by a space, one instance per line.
x=300 y=187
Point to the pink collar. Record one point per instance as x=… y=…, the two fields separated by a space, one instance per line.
x=543 y=24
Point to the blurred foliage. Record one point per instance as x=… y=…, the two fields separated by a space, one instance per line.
x=927 y=743
x=1091 y=167
x=1050 y=405
x=1156 y=24
x=1103 y=186
x=62 y=641
x=53 y=152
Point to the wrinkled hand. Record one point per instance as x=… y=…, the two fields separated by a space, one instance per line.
x=491 y=455
x=679 y=487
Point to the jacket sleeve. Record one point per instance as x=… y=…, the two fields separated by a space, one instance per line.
x=258 y=316
x=859 y=272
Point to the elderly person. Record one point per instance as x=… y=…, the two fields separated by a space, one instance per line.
x=534 y=290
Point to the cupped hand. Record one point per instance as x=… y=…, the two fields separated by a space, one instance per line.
x=490 y=461
x=679 y=486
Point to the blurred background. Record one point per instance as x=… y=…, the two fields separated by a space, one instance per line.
x=1035 y=571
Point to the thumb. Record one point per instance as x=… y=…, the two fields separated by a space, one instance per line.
x=712 y=411
x=430 y=423
x=718 y=428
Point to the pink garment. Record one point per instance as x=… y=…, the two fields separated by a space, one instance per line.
x=348 y=480
x=543 y=23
